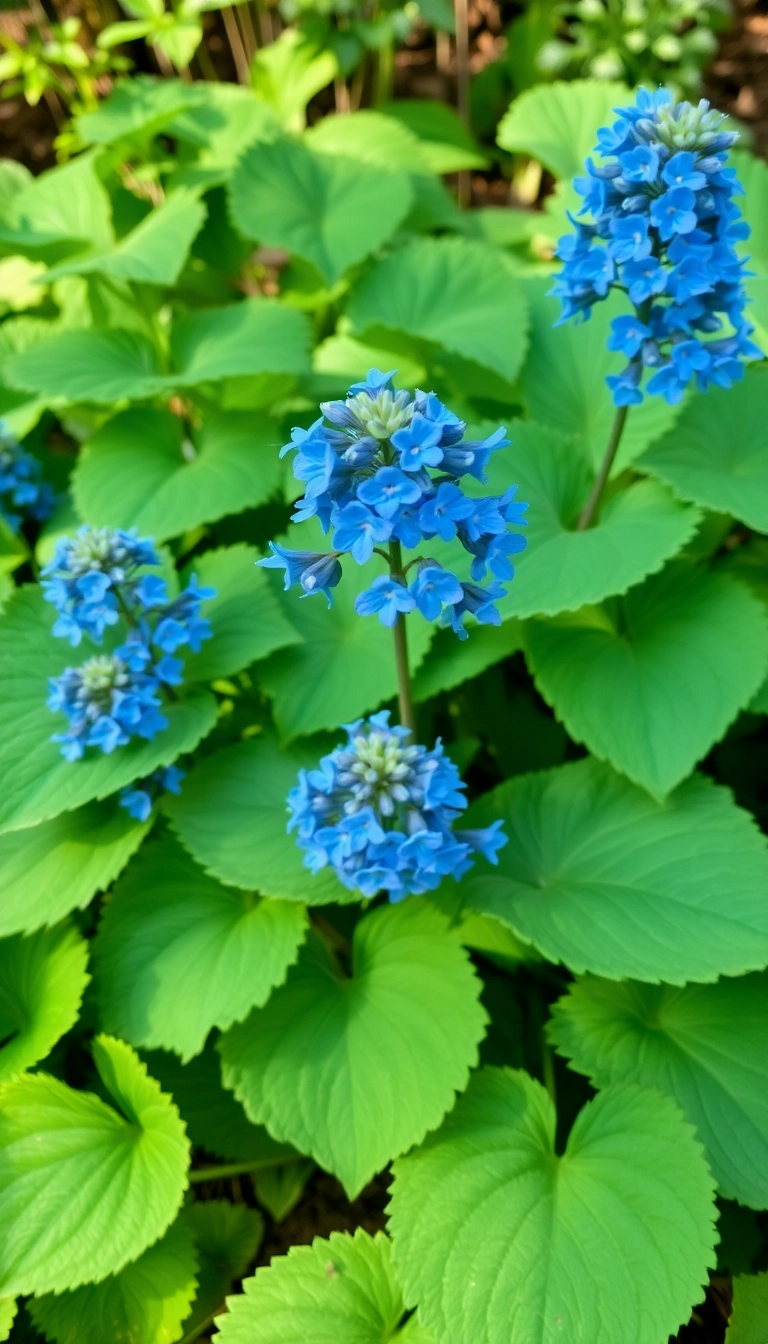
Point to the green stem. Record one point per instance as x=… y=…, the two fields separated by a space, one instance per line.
x=201 y=1328
x=227 y=1169
x=588 y=512
x=407 y=717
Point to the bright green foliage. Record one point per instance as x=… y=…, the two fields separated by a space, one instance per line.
x=344 y=667
x=356 y=1069
x=86 y=1188
x=226 y=1237
x=279 y=1189
x=444 y=138
x=142 y=469
x=42 y=979
x=598 y=875
x=247 y=618
x=650 y=681
x=563 y=569
x=558 y=123
x=703 y=1045
x=717 y=455
x=451 y=661
x=232 y=817
x=563 y=380
x=39 y=783
x=750 y=1310
x=372 y=137
x=153 y=253
x=493 y=1229
x=330 y=210
x=144 y=1304
x=343 y=1289
x=215 y=1120
x=58 y=866
x=452 y=293
x=178 y=953
x=8 y=1309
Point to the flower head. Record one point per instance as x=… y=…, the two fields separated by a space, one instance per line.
x=23 y=493
x=379 y=812
x=664 y=228
x=140 y=797
x=106 y=703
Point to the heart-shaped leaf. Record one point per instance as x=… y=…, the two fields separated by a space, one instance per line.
x=558 y=123
x=42 y=980
x=226 y=1237
x=750 y=1310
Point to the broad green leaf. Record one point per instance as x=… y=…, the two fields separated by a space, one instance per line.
x=154 y=252
x=599 y=876
x=451 y=661
x=227 y=1237
x=255 y=336
x=563 y=379
x=177 y=953
x=13 y=549
x=562 y=569
x=703 y=1045
x=279 y=1189
x=42 y=980
x=452 y=293
x=58 y=866
x=372 y=137
x=141 y=470
x=67 y=202
x=89 y=365
x=717 y=454
x=232 y=816
x=8 y=1309
x=753 y=175
x=144 y=1304
x=558 y=123
x=86 y=1187
x=749 y=1318
x=330 y=210
x=289 y=72
x=137 y=107
x=247 y=617
x=445 y=141
x=346 y=664
x=650 y=681
x=344 y=1289
x=223 y=121
x=501 y=1240
x=342 y=357
x=380 y=1054
x=40 y=784
x=215 y=1120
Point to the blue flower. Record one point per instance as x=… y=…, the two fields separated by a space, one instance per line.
x=663 y=211
x=418 y=443
x=23 y=493
x=439 y=515
x=358 y=529
x=379 y=812
x=477 y=602
x=433 y=588
x=386 y=598
x=106 y=704
x=140 y=797
x=388 y=490
x=314 y=571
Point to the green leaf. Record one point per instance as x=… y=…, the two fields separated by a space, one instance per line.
x=703 y=1045
x=246 y=615
x=8 y=1309
x=42 y=981
x=651 y=681
x=13 y=549
x=563 y=380
x=372 y=137
x=139 y=470
x=86 y=1188
x=451 y=661
x=67 y=202
x=599 y=876
x=558 y=123
x=232 y=816
x=154 y=252
x=227 y=1237
x=343 y=1289
x=137 y=107
x=40 y=784
x=279 y=1189
x=50 y=869
x=716 y=455
x=332 y=211
x=637 y=530
x=445 y=142
x=89 y=365
x=345 y=666
x=452 y=293
x=215 y=1120
x=177 y=953
x=255 y=336
x=144 y=1304
x=380 y=1054
x=750 y=1310
x=499 y=1238
x=287 y=73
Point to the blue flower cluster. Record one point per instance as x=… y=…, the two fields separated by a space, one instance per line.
x=379 y=813
x=139 y=799
x=368 y=475
x=23 y=494
x=665 y=228
x=95 y=580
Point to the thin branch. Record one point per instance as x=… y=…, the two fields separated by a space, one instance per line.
x=236 y=45
x=588 y=512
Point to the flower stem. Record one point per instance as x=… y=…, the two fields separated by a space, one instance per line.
x=200 y=1174
x=588 y=512
x=401 y=645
